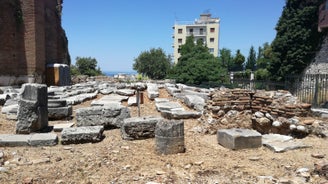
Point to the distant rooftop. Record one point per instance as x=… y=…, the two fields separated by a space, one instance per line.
x=203 y=19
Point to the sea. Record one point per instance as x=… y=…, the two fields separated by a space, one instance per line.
x=113 y=73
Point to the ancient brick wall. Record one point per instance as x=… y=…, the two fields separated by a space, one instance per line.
x=276 y=103
x=31 y=37
x=11 y=39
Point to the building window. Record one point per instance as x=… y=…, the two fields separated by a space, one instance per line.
x=211 y=40
x=179 y=49
x=212 y=30
x=201 y=31
x=211 y=50
x=179 y=40
x=180 y=31
x=191 y=31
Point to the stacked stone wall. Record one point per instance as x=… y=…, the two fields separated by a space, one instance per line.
x=276 y=103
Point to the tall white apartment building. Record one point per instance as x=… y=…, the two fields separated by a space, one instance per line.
x=205 y=28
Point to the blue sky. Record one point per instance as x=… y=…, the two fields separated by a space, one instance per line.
x=117 y=31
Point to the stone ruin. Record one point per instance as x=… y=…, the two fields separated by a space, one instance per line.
x=231 y=111
x=265 y=111
x=32 y=113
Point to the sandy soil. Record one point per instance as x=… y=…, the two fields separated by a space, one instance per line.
x=118 y=161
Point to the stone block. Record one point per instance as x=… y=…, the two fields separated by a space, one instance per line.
x=10 y=109
x=109 y=116
x=139 y=127
x=77 y=135
x=180 y=114
x=12 y=140
x=125 y=92
x=236 y=138
x=160 y=100
x=282 y=143
x=54 y=103
x=195 y=102
x=152 y=91
x=173 y=90
x=35 y=92
x=32 y=113
x=109 y=99
x=31 y=117
x=132 y=101
x=167 y=106
x=46 y=139
x=59 y=112
x=169 y=137
x=77 y=99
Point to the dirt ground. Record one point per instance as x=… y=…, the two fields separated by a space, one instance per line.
x=114 y=160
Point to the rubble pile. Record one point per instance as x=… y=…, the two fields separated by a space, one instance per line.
x=279 y=103
x=265 y=111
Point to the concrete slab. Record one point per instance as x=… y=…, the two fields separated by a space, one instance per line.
x=267 y=138
x=280 y=147
x=282 y=143
x=236 y=138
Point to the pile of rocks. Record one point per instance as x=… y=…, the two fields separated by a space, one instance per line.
x=279 y=103
x=225 y=100
x=264 y=111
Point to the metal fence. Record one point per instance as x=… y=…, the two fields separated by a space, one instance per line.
x=256 y=84
x=309 y=88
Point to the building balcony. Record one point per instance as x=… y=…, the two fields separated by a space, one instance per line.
x=196 y=33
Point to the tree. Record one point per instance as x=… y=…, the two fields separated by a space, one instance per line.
x=238 y=61
x=264 y=58
x=153 y=63
x=226 y=58
x=197 y=65
x=74 y=70
x=297 y=38
x=86 y=66
x=251 y=60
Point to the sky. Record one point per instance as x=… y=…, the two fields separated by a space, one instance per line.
x=115 y=32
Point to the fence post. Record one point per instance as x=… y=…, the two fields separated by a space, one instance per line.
x=316 y=90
